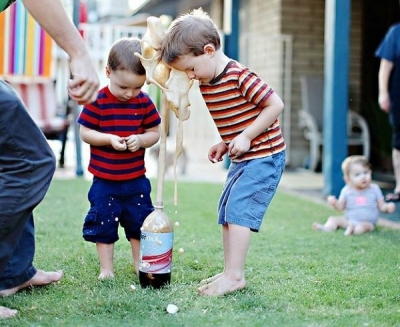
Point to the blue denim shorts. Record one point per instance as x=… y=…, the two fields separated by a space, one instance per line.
x=114 y=203
x=249 y=189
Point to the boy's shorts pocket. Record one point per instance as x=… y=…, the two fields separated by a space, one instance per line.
x=90 y=226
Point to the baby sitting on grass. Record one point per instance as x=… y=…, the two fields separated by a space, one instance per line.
x=360 y=199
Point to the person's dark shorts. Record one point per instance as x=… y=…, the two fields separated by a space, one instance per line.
x=114 y=203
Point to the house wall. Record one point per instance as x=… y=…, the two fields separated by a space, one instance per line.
x=265 y=25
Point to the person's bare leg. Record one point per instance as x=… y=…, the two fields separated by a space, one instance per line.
x=383 y=222
x=135 y=246
x=41 y=278
x=225 y=243
x=363 y=228
x=396 y=169
x=332 y=224
x=233 y=278
x=106 y=258
x=349 y=230
x=7 y=313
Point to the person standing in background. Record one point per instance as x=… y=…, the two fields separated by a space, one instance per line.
x=27 y=162
x=389 y=95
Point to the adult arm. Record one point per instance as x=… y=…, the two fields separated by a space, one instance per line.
x=50 y=14
x=385 y=70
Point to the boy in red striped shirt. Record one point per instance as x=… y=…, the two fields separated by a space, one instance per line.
x=245 y=111
x=119 y=125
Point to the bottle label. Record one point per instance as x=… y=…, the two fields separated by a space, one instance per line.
x=156 y=252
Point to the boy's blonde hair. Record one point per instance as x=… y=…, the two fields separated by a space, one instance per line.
x=351 y=160
x=121 y=56
x=188 y=34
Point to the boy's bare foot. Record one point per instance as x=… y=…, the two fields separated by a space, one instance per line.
x=221 y=286
x=7 y=313
x=41 y=278
x=105 y=275
x=211 y=279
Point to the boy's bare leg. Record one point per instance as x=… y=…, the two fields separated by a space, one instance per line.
x=332 y=224
x=7 y=313
x=225 y=243
x=41 y=278
x=135 y=246
x=232 y=279
x=106 y=258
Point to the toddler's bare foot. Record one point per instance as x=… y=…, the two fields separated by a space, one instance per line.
x=349 y=230
x=211 y=279
x=41 y=278
x=317 y=226
x=221 y=286
x=7 y=313
x=105 y=275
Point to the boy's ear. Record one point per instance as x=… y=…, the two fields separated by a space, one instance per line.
x=209 y=49
x=108 y=71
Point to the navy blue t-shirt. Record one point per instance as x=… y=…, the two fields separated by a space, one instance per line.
x=389 y=49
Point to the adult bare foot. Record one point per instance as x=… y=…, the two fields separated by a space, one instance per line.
x=222 y=286
x=41 y=278
x=7 y=313
x=211 y=279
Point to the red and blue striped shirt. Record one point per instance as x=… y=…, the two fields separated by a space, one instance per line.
x=109 y=115
x=234 y=99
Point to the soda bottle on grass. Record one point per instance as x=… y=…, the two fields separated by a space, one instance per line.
x=156 y=243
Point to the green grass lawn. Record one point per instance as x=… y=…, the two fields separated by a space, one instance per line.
x=295 y=276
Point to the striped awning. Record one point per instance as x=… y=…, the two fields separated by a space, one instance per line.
x=25 y=48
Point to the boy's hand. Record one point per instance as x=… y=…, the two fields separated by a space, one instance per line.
x=133 y=142
x=216 y=152
x=239 y=145
x=118 y=143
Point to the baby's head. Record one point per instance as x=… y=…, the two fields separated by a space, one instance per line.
x=125 y=70
x=121 y=56
x=357 y=171
x=188 y=34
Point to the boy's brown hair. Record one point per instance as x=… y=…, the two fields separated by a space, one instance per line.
x=188 y=34
x=351 y=160
x=121 y=56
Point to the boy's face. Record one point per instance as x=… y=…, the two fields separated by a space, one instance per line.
x=201 y=68
x=359 y=176
x=124 y=84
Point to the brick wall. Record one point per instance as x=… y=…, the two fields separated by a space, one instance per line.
x=263 y=25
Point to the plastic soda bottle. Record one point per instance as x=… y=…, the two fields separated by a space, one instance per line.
x=156 y=243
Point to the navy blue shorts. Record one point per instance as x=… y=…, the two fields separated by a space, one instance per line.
x=114 y=203
x=249 y=189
